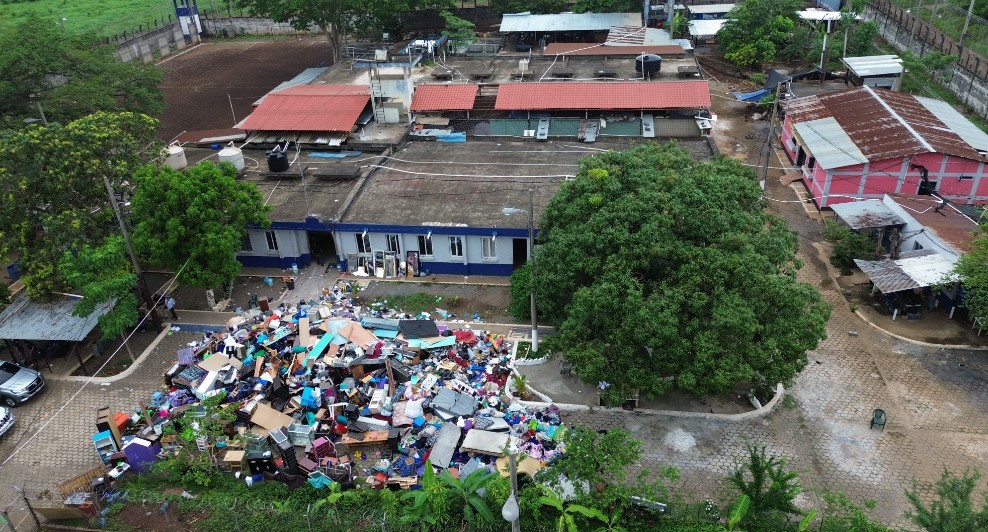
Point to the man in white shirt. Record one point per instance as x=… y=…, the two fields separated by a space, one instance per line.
x=170 y=305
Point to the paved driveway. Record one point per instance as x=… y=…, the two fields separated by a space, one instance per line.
x=64 y=447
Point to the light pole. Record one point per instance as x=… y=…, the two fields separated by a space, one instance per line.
x=510 y=211
x=510 y=511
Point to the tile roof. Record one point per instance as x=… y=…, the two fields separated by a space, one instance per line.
x=882 y=124
x=444 y=97
x=310 y=108
x=630 y=95
x=567 y=48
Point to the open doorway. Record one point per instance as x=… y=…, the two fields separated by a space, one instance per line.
x=519 y=252
x=323 y=248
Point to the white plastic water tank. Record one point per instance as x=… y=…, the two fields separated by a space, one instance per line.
x=233 y=155
x=175 y=157
x=523 y=64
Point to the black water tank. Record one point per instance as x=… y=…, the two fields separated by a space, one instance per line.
x=648 y=64
x=277 y=160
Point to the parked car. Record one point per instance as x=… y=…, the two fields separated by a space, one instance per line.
x=18 y=384
x=6 y=420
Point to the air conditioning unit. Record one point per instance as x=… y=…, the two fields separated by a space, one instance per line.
x=528 y=133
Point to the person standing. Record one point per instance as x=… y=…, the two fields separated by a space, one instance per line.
x=170 y=305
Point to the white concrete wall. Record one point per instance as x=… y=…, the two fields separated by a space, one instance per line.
x=914 y=233
x=290 y=243
x=472 y=247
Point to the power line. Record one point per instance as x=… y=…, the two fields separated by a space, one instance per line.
x=90 y=379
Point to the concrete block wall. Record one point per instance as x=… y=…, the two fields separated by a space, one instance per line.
x=968 y=75
x=153 y=44
x=232 y=26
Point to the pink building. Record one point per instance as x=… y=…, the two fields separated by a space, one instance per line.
x=864 y=143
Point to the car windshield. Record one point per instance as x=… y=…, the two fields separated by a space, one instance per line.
x=7 y=370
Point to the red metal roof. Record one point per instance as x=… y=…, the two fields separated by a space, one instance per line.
x=565 y=48
x=603 y=95
x=310 y=108
x=882 y=124
x=948 y=223
x=444 y=97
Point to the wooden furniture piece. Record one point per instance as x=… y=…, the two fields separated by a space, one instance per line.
x=306 y=466
x=233 y=460
x=354 y=439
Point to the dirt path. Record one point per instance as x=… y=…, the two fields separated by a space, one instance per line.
x=200 y=85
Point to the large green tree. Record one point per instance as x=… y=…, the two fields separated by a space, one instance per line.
x=194 y=221
x=339 y=18
x=607 y=6
x=69 y=75
x=756 y=30
x=662 y=271
x=104 y=274
x=53 y=196
x=973 y=271
x=538 y=7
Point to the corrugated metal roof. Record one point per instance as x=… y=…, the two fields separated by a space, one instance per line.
x=874 y=65
x=306 y=77
x=866 y=214
x=637 y=36
x=568 y=21
x=829 y=143
x=884 y=124
x=711 y=8
x=918 y=270
x=603 y=95
x=945 y=221
x=25 y=319
x=444 y=97
x=820 y=15
x=957 y=123
x=706 y=28
x=567 y=48
x=310 y=108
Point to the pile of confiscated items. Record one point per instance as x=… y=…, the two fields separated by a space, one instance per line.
x=342 y=393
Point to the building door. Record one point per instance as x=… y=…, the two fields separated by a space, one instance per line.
x=323 y=247
x=519 y=252
x=800 y=156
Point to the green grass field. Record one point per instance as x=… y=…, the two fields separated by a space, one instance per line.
x=104 y=17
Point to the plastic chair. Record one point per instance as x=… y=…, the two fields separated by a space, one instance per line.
x=878 y=417
x=319 y=480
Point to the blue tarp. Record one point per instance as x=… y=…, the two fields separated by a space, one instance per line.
x=754 y=96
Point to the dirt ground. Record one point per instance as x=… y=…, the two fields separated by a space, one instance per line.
x=150 y=518
x=463 y=300
x=191 y=298
x=200 y=84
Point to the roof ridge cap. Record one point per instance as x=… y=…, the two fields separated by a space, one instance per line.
x=901 y=120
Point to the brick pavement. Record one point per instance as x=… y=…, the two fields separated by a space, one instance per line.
x=64 y=448
x=936 y=400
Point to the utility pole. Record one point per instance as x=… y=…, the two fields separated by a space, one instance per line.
x=767 y=150
x=967 y=22
x=142 y=284
x=531 y=272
